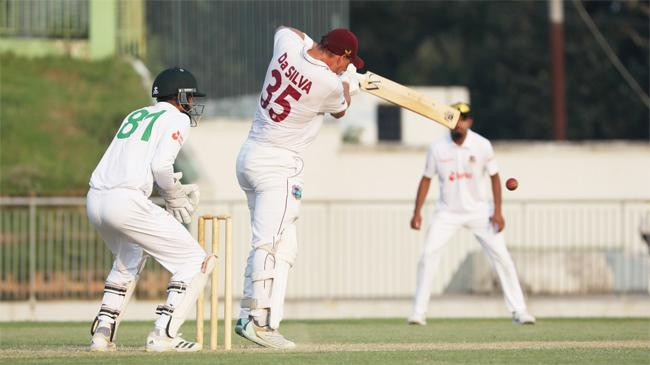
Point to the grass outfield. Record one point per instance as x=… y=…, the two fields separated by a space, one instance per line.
x=383 y=341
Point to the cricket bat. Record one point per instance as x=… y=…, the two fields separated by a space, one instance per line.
x=410 y=99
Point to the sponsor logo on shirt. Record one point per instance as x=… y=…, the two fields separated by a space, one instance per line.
x=454 y=175
x=177 y=136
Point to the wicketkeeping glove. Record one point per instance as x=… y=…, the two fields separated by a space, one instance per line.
x=181 y=201
x=192 y=193
x=180 y=208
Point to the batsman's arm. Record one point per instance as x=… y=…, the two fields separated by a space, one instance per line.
x=420 y=198
x=298 y=32
x=348 y=99
x=497 y=218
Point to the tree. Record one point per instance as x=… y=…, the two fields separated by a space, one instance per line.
x=500 y=51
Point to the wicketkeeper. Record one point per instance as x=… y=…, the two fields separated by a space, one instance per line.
x=133 y=227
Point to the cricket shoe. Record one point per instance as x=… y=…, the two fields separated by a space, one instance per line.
x=417 y=321
x=159 y=342
x=523 y=317
x=239 y=326
x=101 y=340
x=263 y=336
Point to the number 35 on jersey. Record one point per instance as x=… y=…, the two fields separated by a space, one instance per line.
x=297 y=86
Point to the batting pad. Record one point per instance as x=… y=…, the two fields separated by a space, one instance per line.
x=272 y=262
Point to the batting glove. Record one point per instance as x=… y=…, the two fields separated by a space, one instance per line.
x=349 y=76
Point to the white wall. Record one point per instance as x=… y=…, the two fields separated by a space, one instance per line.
x=545 y=170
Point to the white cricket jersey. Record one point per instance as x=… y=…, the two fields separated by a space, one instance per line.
x=462 y=172
x=297 y=91
x=143 y=150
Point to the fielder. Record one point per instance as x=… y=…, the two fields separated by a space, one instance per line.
x=462 y=161
x=141 y=154
x=302 y=84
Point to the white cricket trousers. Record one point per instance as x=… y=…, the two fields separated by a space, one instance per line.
x=271 y=177
x=131 y=225
x=443 y=225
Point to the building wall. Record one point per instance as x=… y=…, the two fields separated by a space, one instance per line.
x=333 y=170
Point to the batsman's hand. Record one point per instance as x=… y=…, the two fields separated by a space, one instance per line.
x=416 y=221
x=350 y=77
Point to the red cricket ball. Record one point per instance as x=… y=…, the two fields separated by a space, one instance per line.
x=512 y=183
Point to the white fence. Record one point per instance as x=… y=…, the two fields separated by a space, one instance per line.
x=347 y=249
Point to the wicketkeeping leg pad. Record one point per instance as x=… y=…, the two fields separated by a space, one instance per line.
x=182 y=297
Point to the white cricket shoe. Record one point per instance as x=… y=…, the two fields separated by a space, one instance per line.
x=264 y=336
x=101 y=340
x=159 y=342
x=417 y=321
x=523 y=317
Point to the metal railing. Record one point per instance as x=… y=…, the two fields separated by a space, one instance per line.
x=44 y=19
x=348 y=249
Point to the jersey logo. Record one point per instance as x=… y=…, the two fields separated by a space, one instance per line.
x=296 y=191
x=177 y=136
x=472 y=159
x=459 y=175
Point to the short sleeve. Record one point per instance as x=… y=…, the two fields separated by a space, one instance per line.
x=335 y=101
x=491 y=165
x=162 y=165
x=284 y=38
x=430 y=167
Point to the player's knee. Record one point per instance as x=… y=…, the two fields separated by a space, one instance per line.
x=189 y=269
x=122 y=275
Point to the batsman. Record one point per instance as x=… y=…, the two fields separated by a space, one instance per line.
x=133 y=227
x=304 y=81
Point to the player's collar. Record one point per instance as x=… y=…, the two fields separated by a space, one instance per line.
x=166 y=105
x=311 y=59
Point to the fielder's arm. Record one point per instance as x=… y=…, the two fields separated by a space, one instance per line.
x=420 y=198
x=497 y=217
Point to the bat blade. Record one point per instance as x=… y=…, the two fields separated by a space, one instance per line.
x=407 y=98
